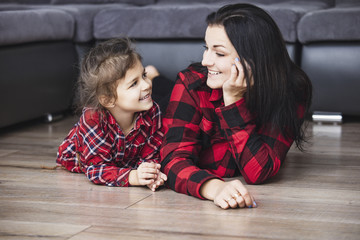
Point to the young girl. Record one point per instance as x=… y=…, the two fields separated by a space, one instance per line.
x=116 y=141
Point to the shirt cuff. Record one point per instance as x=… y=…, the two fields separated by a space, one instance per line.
x=234 y=115
x=197 y=180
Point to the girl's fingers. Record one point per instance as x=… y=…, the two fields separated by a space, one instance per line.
x=148 y=176
x=147 y=181
x=163 y=176
x=149 y=170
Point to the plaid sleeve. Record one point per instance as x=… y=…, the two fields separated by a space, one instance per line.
x=66 y=155
x=151 y=149
x=96 y=157
x=258 y=154
x=181 y=146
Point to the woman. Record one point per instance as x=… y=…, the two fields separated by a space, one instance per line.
x=237 y=113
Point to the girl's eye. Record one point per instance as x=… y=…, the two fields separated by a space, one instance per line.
x=220 y=54
x=144 y=75
x=134 y=84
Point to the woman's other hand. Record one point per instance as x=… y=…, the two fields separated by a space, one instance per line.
x=226 y=195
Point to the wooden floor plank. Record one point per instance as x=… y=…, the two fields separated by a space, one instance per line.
x=315 y=196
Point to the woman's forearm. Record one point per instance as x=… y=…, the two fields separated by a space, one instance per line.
x=210 y=188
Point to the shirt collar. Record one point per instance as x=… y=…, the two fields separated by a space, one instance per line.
x=139 y=121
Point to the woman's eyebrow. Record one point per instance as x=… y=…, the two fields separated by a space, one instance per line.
x=216 y=46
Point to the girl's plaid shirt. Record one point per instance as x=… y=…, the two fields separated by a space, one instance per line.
x=97 y=147
x=205 y=139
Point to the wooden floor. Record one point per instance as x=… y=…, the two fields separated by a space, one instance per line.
x=315 y=196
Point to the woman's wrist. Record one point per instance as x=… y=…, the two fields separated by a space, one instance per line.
x=210 y=188
x=230 y=100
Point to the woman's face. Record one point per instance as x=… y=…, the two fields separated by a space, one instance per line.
x=219 y=56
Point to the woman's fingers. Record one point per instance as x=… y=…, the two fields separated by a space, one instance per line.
x=233 y=74
x=234 y=195
x=239 y=81
x=249 y=201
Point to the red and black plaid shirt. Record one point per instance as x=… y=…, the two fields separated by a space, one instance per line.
x=106 y=155
x=205 y=139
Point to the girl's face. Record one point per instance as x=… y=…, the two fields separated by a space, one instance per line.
x=134 y=91
x=219 y=56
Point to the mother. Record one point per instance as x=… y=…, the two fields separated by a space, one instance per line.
x=238 y=112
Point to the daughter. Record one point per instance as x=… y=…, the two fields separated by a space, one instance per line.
x=117 y=139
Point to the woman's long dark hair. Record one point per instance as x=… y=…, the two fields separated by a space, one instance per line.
x=281 y=92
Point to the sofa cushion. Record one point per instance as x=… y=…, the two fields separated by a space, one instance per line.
x=335 y=24
x=133 y=2
x=84 y=18
x=287 y=15
x=328 y=2
x=153 y=22
x=22 y=26
x=27 y=1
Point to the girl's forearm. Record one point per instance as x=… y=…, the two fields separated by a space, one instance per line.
x=133 y=178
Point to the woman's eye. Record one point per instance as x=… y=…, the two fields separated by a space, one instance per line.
x=220 y=54
x=144 y=75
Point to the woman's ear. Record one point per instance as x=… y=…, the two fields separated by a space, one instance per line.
x=106 y=101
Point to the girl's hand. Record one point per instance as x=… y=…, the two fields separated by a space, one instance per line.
x=235 y=87
x=161 y=179
x=147 y=173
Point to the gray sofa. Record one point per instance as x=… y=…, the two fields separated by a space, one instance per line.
x=42 y=41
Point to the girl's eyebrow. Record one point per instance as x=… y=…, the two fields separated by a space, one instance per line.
x=132 y=81
x=135 y=78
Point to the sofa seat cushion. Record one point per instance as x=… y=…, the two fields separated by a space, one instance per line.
x=23 y=26
x=336 y=24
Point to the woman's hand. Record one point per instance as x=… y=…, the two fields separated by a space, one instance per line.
x=235 y=87
x=145 y=174
x=226 y=195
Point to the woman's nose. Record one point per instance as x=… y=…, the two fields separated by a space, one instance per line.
x=207 y=60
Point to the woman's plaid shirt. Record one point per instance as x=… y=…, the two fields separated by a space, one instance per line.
x=205 y=139
x=97 y=147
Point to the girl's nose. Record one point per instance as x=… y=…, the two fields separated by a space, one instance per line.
x=146 y=84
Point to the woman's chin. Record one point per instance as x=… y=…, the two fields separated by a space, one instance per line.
x=213 y=84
